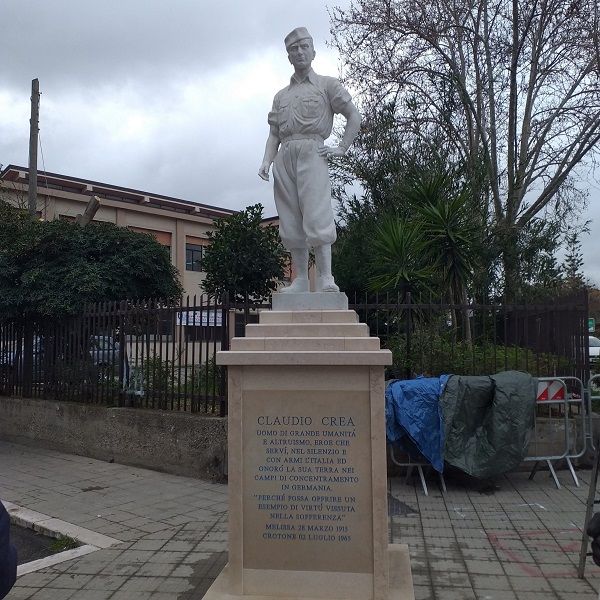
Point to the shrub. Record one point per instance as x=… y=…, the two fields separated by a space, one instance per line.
x=434 y=355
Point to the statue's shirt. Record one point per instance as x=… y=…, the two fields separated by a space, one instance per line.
x=307 y=107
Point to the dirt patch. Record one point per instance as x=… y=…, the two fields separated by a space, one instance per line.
x=32 y=545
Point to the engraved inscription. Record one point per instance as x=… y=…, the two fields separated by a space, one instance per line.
x=307 y=481
x=312 y=463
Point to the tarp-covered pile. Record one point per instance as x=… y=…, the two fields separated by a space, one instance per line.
x=481 y=425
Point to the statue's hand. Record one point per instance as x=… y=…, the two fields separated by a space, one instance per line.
x=263 y=172
x=331 y=151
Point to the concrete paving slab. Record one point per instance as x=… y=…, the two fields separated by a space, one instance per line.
x=506 y=539
x=510 y=538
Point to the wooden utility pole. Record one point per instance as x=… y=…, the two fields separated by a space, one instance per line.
x=33 y=145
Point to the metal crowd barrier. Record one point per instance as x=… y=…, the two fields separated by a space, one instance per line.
x=569 y=411
x=405 y=460
x=568 y=405
x=594 y=379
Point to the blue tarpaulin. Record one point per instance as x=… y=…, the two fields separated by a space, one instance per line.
x=480 y=424
x=412 y=408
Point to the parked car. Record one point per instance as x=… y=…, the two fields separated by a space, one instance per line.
x=11 y=357
x=594 y=348
x=104 y=350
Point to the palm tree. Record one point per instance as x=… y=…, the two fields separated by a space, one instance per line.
x=399 y=258
x=438 y=242
x=452 y=240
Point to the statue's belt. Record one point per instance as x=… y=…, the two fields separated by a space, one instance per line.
x=303 y=136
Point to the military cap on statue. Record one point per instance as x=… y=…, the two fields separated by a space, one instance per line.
x=300 y=33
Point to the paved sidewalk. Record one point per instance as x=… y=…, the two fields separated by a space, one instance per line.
x=509 y=539
x=173 y=529
x=506 y=539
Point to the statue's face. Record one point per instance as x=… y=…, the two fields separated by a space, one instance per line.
x=301 y=53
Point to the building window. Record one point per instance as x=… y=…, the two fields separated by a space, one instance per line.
x=203 y=334
x=163 y=237
x=193 y=257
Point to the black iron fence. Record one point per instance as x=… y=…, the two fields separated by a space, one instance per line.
x=433 y=338
x=158 y=355
x=147 y=354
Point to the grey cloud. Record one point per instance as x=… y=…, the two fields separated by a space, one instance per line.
x=86 y=44
x=143 y=55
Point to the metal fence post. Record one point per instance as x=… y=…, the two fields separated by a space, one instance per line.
x=409 y=319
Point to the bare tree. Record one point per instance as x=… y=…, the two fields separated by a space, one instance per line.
x=13 y=194
x=513 y=85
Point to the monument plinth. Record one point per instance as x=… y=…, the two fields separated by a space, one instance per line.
x=307 y=464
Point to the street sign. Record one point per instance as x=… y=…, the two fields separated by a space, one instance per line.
x=591 y=324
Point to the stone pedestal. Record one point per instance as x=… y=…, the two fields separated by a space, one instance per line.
x=307 y=463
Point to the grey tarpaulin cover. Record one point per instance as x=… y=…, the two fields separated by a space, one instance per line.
x=481 y=425
x=488 y=421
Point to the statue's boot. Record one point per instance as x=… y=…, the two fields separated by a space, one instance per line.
x=301 y=283
x=325 y=281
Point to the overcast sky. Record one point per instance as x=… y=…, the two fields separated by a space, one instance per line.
x=168 y=97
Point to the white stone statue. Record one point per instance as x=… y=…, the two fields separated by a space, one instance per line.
x=300 y=120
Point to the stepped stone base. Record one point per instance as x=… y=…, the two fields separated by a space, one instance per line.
x=310 y=301
x=307 y=462
x=400 y=581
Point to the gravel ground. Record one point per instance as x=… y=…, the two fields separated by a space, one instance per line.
x=30 y=545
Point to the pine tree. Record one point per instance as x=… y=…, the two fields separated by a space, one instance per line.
x=573 y=275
